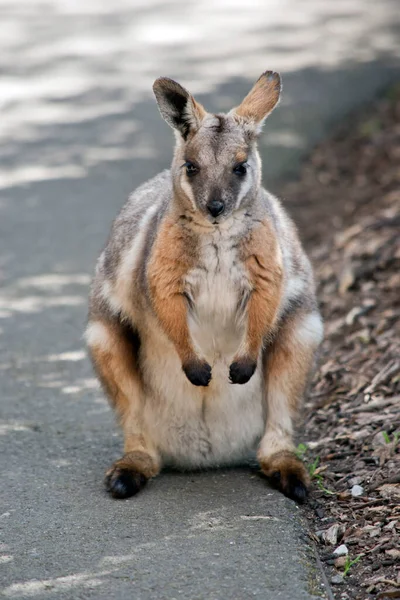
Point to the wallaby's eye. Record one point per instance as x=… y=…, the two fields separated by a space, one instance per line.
x=240 y=169
x=191 y=169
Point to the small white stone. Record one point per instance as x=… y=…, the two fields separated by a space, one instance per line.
x=341 y=550
x=357 y=490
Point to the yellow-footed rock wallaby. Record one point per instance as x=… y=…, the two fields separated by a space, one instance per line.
x=203 y=322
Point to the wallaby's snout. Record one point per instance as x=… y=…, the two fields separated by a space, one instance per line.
x=216 y=168
x=215 y=207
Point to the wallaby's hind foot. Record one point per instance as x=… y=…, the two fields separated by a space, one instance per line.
x=123 y=483
x=129 y=474
x=287 y=473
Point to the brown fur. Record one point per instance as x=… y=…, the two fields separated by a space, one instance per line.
x=117 y=369
x=198 y=110
x=288 y=364
x=287 y=367
x=241 y=156
x=172 y=257
x=262 y=99
x=137 y=461
x=261 y=256
x=283 y=468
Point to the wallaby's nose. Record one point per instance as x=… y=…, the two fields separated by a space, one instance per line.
x=215 y=207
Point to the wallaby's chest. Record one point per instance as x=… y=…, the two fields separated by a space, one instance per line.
x=218 y=288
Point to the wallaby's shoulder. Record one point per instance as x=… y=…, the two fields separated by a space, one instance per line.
x=155 y=192
x=274 y=211
x=132 y=235
x=282 y=224
x=142 y=211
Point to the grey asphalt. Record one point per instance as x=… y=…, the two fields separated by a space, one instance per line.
x=80 y=130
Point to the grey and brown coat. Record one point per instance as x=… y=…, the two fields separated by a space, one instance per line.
x=203 y=322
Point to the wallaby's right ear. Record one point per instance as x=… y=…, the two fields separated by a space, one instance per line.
x=179 y=109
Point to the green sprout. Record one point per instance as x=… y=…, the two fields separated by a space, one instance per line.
x=349 y=563
x=318 y=477
x=388 y=440
x=323 y=488
x=313 y=467
x=301 y=451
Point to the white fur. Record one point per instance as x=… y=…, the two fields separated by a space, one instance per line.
x=310 y=330
x=97 y=335
x=109 y=295
x=294 y=288
x=275 y=440
x=193 y=426
x=254 y=176
x=130 y=260
x=245 y=188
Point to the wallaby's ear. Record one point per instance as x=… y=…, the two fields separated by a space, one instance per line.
x=179 y=109
x=261 y=99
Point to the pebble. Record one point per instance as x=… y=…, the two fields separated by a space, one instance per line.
x=393 y=553
x=379 y=440
x=337 y=579
x=357 y=490
x=340 y=562
x=355 y=480
x=341 y=550
x=330 y=536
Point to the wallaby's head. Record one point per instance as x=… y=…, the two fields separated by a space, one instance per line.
x=216 y=168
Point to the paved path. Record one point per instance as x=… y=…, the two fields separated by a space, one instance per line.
x=78 y=131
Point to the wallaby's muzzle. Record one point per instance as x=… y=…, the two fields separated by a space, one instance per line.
x=215 y=207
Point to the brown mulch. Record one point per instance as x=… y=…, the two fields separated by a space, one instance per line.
x=347 y=205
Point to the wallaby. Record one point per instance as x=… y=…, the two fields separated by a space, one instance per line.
x=203 y=322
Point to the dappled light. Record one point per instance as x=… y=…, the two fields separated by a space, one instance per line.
x=18 y=297
x=82 y=63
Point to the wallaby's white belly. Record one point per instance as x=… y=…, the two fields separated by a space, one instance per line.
x=219 y=424
x=197 y=426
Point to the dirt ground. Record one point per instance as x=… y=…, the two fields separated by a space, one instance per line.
x=347 y=205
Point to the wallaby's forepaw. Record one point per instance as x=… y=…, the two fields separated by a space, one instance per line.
x=122 y=483
x=242 y=370
x=198 y=372
x=287 y=473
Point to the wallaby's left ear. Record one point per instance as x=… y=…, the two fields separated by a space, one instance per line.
x=177 y=107
x=261 y=99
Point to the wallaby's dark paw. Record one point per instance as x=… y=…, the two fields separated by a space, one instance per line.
x=288 y=474
x=123 y=483
x=198 y=372
x=242 y=370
